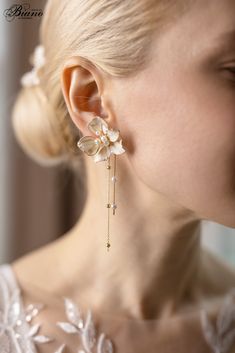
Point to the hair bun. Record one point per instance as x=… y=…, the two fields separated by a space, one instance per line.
x=34 y=127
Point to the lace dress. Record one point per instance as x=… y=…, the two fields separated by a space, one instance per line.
x=18 y=333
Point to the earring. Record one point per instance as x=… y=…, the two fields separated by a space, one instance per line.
x=106 y=143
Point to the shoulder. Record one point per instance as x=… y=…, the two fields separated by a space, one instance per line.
x=40 y=267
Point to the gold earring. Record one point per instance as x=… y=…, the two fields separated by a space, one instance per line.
x=106 y=143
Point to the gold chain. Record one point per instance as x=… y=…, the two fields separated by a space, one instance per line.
x=113 y=204
x=108 y=201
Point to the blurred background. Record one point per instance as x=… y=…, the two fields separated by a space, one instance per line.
x=38 y=204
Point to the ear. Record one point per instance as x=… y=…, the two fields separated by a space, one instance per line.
x=83 y=86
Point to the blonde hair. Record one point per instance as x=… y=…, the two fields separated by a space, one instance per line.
x=113 y=34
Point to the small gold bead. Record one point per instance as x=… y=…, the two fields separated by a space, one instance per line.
x=108 y=245
x=108 y=167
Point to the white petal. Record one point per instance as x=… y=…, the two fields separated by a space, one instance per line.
x=72 y=311
x=89 y=333
x=96 y=124
x=89 y=145
x=104 y=345
x=102 y=155
x=67 y=327
x=14 y=308
x=117 y=148
x=113 y=135
x=42 y=339
x=34 y=329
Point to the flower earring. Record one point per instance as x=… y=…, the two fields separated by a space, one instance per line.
x=106 y=143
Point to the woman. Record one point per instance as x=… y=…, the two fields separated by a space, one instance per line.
x=160 y=76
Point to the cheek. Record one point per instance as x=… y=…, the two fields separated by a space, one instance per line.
x=184 y=146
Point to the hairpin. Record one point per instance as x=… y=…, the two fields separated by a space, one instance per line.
x=31 y=78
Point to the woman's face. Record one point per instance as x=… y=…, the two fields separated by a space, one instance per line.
x=180 y=112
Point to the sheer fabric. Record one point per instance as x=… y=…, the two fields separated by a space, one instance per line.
x=195 y=332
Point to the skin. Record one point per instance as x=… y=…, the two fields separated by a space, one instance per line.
x=177 y=123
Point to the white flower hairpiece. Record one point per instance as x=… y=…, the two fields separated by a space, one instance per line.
x=31 y=78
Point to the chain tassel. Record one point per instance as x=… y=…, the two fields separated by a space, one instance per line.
x=113 y=204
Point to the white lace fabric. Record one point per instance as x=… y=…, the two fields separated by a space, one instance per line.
x=18 y=333
x=14 y=329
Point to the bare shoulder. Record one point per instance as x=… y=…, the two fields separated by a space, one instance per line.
x=38 y=268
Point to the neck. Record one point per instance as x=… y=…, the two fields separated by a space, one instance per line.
x=150 y=269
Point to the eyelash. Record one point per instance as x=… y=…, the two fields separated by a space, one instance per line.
x=230 y=70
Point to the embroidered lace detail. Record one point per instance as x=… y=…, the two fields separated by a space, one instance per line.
x=19 y=335
x=85 y=329
x=16 y=333
x=221 y=336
